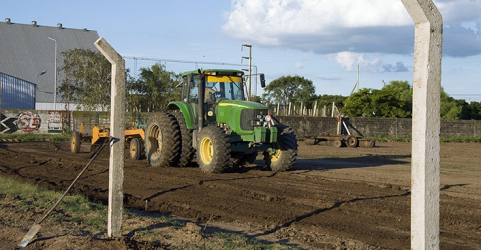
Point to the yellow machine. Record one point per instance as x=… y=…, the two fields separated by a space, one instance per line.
x=134 y=137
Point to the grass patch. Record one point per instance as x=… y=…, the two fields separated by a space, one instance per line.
x=77 y=211
x=75 y=208
x=238 y=241
x=35 y=137
x=460 y=139
x=441 y=139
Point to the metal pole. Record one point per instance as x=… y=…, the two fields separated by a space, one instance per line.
x=357 y=83
x=55 y=77
x=249 y=70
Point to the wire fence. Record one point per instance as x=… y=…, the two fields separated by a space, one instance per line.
x=134 y=64
x=468 y=97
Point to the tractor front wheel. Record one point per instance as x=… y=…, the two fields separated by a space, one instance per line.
x=213 y=150
x=285 y=154
x=162 y=140
x=135 y=149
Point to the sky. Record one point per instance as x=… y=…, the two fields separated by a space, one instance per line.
x=321 y=40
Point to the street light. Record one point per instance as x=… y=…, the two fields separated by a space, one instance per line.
x=39 y=74
x=36 y=82
x=55 y=92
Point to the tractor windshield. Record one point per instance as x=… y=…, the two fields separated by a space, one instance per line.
x=224 y=88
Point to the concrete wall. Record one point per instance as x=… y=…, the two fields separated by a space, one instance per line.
x=377 y=127
x=30 y=121
x=49 y=121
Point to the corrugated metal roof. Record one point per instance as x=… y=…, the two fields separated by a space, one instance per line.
x=25 y=51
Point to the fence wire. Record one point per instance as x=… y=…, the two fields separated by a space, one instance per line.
x=134 y=64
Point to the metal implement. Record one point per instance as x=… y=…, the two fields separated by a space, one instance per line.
x=36 y=227
x=341 y=140
x=134 y=135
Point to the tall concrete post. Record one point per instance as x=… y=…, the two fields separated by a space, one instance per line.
x=426 y=123
x=117 y=127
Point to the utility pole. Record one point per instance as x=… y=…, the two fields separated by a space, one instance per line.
x=248 y=70
x=357 y=82
x=356 y=87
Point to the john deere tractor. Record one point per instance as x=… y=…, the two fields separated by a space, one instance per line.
x=215 y=124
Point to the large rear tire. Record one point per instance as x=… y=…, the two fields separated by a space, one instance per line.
x=187 y=149
x=75 y=142
x=213 y=150
x=162 y=140
x=285 y=155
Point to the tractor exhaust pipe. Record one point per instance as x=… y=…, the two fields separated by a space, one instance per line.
x=201 y=101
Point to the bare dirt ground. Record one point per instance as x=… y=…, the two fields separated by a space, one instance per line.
x=334 y=198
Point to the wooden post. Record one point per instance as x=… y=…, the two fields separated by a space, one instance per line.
x=117 y=126
x=426 y=123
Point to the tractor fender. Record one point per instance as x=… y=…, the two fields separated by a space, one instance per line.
x=184 y=108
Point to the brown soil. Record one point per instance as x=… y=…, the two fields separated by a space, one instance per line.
x=334 y=198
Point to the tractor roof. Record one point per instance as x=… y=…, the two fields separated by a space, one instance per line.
x=220 y=71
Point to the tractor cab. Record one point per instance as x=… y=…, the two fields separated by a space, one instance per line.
x=216 y=85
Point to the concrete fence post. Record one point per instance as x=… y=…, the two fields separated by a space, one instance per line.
x=117 y=127
x=426 y=123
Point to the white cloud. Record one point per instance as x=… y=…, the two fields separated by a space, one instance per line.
x=299 y=65
x=332 y=26
x=349 y=61
x=268 y=19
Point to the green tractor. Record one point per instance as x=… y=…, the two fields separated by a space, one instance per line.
x=215 y=124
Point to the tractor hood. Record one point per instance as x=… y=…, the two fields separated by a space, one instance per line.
x=241 y=104
x=241 y=116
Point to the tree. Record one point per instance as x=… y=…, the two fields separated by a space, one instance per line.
x=393 y=100
x=359 y=104
x=470 y=110
x=87 y=79
x=256 y=98
x=154 y=89
x=289 y=89
x=327 y=100
x=450 y=108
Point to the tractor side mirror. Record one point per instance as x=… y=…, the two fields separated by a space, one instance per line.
x=263 y=80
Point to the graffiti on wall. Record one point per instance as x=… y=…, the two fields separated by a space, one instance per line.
x=26 y=121
x=54 y=119
x=8 y=125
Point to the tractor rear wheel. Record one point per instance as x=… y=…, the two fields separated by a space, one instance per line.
x=285 y=155
x=75 y=142
x=135 y=149
x=213 y=150
x=162 y=140
x=187 y=149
